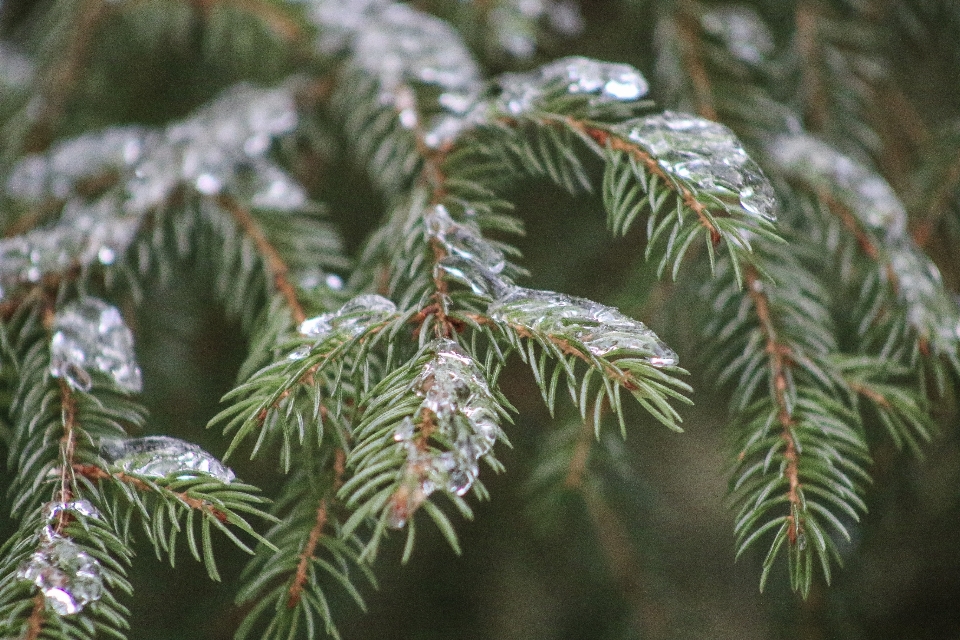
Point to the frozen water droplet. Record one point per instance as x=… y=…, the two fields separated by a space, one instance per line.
x=819 y=165
x=565 y=18
x=334 y=281
x=106 y=255
x=90 y=334
x=299 y=353
x=741 y=30
x=481 y=281
x=405 y=431
x=605 y=82
x=67 y=576
x=52 y=510
x=208 y=184
x=707 y=155
x=161 y=456
x=316 y=327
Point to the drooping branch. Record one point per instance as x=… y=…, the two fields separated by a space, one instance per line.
x=779 y=357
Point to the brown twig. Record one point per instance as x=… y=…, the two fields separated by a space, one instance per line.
x=316 y=532
x=812 y=85
x=779 y=355
x=94 y=472
x=275 y=263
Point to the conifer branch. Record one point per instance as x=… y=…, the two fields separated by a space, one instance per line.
x=274 y=262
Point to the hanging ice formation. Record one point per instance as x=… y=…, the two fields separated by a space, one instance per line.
x=455 y=425
x=222 y=148
x=68 y=577
x=161 y=456
x=90 y=335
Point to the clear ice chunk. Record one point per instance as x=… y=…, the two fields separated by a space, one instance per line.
x=602 y=330
x=463 y=240
x=161 y=456
x=707 y=155
x=52 y=510
x=741 y=30
x=68 y=577
x=351 y=319
x=90 y=334
x=868 y=196
x=604 y=82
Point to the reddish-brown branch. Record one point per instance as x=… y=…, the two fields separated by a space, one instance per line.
x=577 y=468
x=605 y=138
x=275 y=263
x=780 y=361
x=35 y=621
x=316 y=533
x=876 y=397
x=94 y=472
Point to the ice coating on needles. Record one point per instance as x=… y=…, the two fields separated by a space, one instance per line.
x=161 y=456
x=603 y=330
x=706 y=154
x=90 y=335
x=351 y=319
x=604 y=82
x=457 y=403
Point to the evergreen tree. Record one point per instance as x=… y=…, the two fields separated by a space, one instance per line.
x=303 y=224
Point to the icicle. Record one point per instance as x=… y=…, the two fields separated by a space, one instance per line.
x=604 y=82
x=862 y=191
x=161 y=456
x=351 y=319
x=707 y=155
x=742 y=31
x=67 y=576
x=90 y=334
x=602 y=330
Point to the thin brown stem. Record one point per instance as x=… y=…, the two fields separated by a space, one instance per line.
x=35 y=621
x=316 y=533
x=779 y=355
x=275 y=263
x=808 y=45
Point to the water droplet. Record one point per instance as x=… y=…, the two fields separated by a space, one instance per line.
x=161 y=456
x=708 y=155
x=405 y=431
x=316 y=327
x=90 y=334
x=351 y=319
x=208 y=184
x=67 y=576
x=299 y=353
x=334 y=281
x=741 y=30
x=106 y=255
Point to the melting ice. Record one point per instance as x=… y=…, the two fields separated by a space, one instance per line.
x=161 y=456
x=706 y=154
x=605 y=82
x=68 y=577
x=90 y=334
x=458 y=402
x=351 y=319
x=602 y=330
